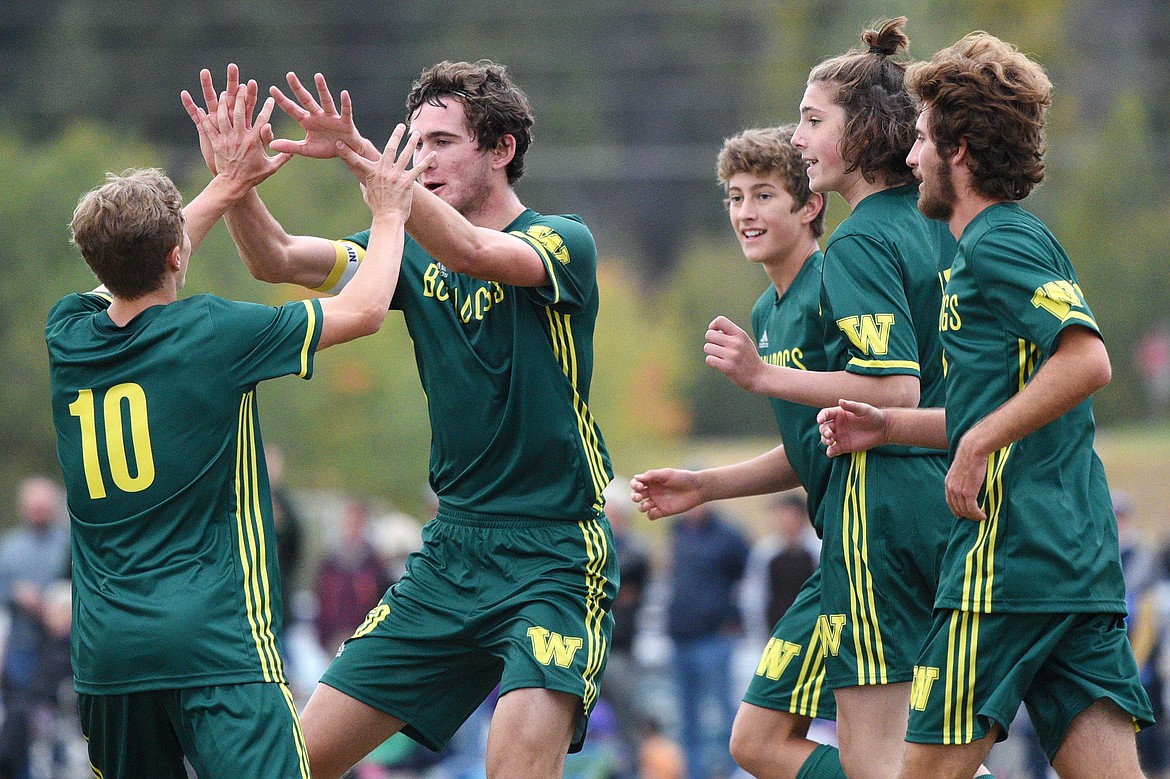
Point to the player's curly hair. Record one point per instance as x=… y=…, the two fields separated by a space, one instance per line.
x=986 y=92
x=126 y=227
x=494 y=105
x=879 y=113
x=769 y=151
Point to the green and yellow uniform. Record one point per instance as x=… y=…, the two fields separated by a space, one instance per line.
x=886 y=519
x=518 y=464
x=176 y=586
x=790 y=332
x=1048 y=548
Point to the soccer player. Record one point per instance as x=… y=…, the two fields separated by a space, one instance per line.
x=883 y=533
x=177 y=604
x=1031 y=599
x=777 y=219
x=516 y=576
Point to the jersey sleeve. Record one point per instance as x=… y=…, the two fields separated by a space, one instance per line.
x=866 y=302
x=569 y=253
x=263 y=342
x=79 y=304
x=1029 y=282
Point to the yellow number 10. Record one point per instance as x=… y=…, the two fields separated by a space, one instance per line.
x=83 y=408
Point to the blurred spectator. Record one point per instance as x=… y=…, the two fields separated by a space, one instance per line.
x=778 y=565
x=56 y=746
x=290 y=531
x=620 y=686
x=1153 y=363
x=351 y=579
x=659 y=758
x=394 y=536
x=703 y=621
x=1142 y=570
x=32 y=556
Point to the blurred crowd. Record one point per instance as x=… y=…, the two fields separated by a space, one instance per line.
x=691 y=619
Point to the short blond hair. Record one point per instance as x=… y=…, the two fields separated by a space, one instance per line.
x=126 y=227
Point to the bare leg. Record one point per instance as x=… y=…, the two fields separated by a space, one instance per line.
x=871 y=729
x=340 y=731
x=770 y=744
x=952 y=761
x=530 y=734
x=1099 y=742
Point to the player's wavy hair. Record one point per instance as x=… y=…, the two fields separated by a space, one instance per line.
x=986 y=92
x=126 y=227
x=879 y=113
x=495 y=106
x=768 y=151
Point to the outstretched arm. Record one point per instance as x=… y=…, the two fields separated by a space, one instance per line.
x=665 y=492
x=449 y=237
x=235 y=146
x=731 y=351
x=360 y=308
x=270 y=253
x=854 y=427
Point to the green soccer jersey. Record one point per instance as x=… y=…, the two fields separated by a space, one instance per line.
x=1050 y=541
x=506 y=371
x=882 y=288
x=174 y=557
x=790 y=333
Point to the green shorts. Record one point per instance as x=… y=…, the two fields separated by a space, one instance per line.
x=521 y=603
x=976 y=668
x=885 y=532
x=233 y=731
x=791 y=673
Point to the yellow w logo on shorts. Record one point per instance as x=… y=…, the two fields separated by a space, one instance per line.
x=376 y=615
x=548 y=647
x=924 y=678
x=829 y=627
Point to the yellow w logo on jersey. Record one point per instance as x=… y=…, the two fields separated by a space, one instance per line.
x=1058 y=298
x=551 y=241
x=870 y=333
x=550 y=647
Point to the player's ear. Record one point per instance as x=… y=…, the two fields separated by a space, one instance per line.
x=174 y=259
x=504 y=152
x=812 y=207
x=961 y=153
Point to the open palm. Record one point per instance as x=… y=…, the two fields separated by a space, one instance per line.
x=323 y=124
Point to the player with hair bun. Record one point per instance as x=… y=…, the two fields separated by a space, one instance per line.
x=1031 y=599
x=885 y=529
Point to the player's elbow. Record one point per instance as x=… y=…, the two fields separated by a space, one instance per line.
x=1100 y=370
x=369 y=320
x=901 y=391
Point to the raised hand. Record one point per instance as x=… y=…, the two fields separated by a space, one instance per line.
x=665 y=492
x=851 y=427
x=386 y=182
x=732 y=352
x=324 y=126
x=232 y=144
x=212 y=103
